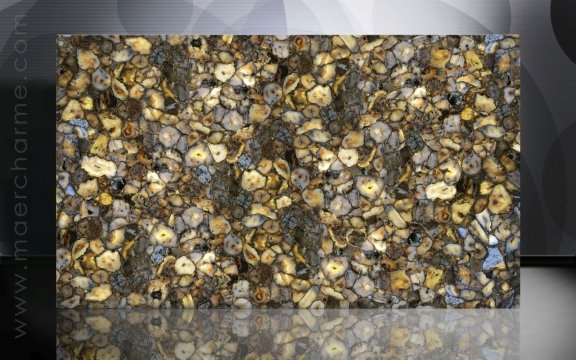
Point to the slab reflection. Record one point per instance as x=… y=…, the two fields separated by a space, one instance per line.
x=288 y=334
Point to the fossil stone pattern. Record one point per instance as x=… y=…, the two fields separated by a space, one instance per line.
x=288 y=171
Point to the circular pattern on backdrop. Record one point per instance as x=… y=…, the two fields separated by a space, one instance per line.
x=562 y=15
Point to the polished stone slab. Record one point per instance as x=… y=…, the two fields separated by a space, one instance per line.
x=329 y=171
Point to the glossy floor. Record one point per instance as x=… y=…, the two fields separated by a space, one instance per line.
x=542 y=329
x=289 y=334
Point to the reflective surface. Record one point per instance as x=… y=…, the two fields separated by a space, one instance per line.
x=288 y=334
x=547 y=314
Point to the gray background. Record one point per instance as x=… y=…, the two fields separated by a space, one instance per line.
x=548 y=85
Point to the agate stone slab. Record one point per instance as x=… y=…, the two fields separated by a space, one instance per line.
x=314 y=172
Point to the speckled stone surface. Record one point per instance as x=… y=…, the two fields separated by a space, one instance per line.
x=288 y=171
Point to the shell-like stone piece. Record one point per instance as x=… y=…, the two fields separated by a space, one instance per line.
x=109 y=260
x=99 y=293
x=335 y=267
x=314 y=198
x=253 y=180
x=219 y=225
x=97 y=167
x=163 y=235
x=198 y=154
x=87 y=60
x=193 y=216
x=369 y=187
x=232 y=245
x=320 y=95
x=340 y=206
x=223 y=72
x=184 y=266
x=139 y=44
x=500 y=201
x=440 y=190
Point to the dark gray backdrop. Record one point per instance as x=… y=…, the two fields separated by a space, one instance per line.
x=548 y=87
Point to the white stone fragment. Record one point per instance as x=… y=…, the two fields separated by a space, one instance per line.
x=290 y=83
x=471 y=164
x=218 y=151
x=250 y=254
x=122 y=55
x=169 y=136
x=320 y=95
x=364 y=286
x=308 y=298
x=314 y=198
x=99 y=293
x=97 y=167
x=440 y=190
x=300 y=178
x=395 y=217
x=349 y=157
x=282 y=168
x=109 y=260
x=272 y=93
x=404 y=51
x=281 y=49
x=451 y=170
x=79 y=248
x=232 y=245
x=335 y=267
x=223 y=72
x=500 y=200
x=72 y=111
x=293 y=117
x=87 y=60
x=246 y=73
x=353 y=139
x=232 y=121
x=484 y=104
x=379 y=131
x=184 y=266
x=241 y=289
x=219 y=225
x=82 y=282
x=101 y=79
x=252 y=221
x=259 y=112
x=139 y=44
x=163 y=235
x=198 y=154
x=350 y=42
x=369 y=187
x=252 y=180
